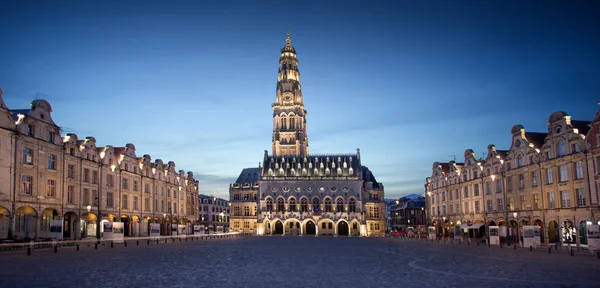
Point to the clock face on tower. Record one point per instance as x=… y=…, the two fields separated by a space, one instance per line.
x=287 y=97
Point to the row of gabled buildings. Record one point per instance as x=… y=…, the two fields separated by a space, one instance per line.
x=45 y=177
x=546 y=179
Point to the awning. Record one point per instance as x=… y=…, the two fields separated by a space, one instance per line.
x=471 y=226
x=476 y=226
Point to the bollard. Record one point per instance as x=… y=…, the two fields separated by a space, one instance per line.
x=555 y=247
x=125 y=242
x=112 y=244
x=157 y=241
x=500 y=245
x=515 y=246
x=29 y=252
x=549 y=250
x=185 y=239
x=77 y=247
x=598 y=255
x=138 y=242
x=179 y=239
x=148 y=241
x=531 y=248
x=571 y=251
x=173 y=239
x=477 y=243
x=165 y=241
x=96 y=246
x=55 y=249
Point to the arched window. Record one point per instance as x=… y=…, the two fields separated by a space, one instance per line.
x=520 y=160
x=270 y=205
x=352 y=206
x=303 y=205
x=561 y=148
x=315 y=204
x=280 y=206
x=292 y=205
x=340 y=205
x=327 y=205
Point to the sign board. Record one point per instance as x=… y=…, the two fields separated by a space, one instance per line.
x=174 y=229
x=181 y=229
x=219 y=229
x=593 y=237
x=531 y=236
x=457 y=233
x=56 y=229
x=198 y=229
x=108 y=232
x=154 y=229
x=494 y=235
x=410 y=230
x=502 y=231
x=118 y=235
x=431 y=232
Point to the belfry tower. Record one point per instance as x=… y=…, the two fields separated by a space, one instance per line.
x=289 y=116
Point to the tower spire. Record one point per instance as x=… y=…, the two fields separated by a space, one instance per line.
x=289 y=116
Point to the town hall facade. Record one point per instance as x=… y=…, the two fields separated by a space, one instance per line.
x=293 y=192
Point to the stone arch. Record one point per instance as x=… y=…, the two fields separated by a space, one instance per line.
x=354 y=227
x=310 y=227
x=303 y=204
x=316 y=203
x=292 y=226
x=540 y=223
x=326 y=226
x=25 y=222
x=292 y=204
x=553 y=232
x=48 y=215
x=339 y=204
x=269 y=203
x=327 y=204
x=280 y=204
x=4 y=222
x=343 y=228
x=277 y=227
x=351 y=205
x=70 y=225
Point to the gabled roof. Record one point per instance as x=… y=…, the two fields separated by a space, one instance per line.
x=249 y=176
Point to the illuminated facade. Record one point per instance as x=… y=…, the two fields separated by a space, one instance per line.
x=214 y=212
x=544 y=179
x=295 y=193
x=45 y=177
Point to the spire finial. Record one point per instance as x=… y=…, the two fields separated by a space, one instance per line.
x=288 y=41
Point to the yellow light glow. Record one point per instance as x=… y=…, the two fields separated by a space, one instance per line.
x=66 y=139
x=112 y=167
x=493 y=177
x=102 y=154
x=121 y=158
x=153 y=170
x=20 y=118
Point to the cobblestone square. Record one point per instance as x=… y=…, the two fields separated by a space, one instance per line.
x=298 y=262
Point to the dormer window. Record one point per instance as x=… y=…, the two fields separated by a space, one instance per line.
x=51 y=136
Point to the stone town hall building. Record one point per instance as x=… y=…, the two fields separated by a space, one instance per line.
x=295 y=193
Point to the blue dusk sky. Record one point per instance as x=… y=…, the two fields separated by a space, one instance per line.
x=407 y=82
